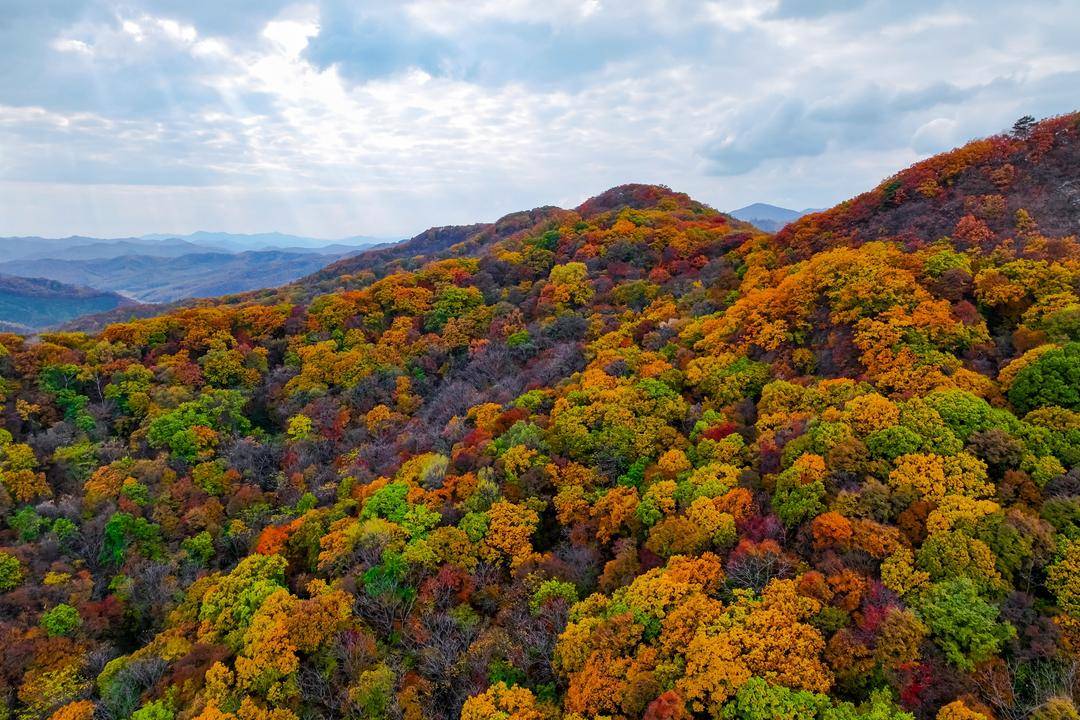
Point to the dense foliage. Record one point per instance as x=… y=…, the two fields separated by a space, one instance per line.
x=632 y=460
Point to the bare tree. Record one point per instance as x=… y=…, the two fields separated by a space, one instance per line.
x=1015 y=688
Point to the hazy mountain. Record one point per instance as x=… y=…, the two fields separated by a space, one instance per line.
x=337 y=248
x=79 y=247
x=198 y=265
x=13 y=248
x=202 y=274
x=119 y=248
x=768 y=217
x=237 y=242
x=34 y=303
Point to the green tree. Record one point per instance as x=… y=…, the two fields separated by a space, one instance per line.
x=373 y=692
x=452 y=302
x=387 y=502
x=892 y=442
x=551 y=589
x=11 y=572
x=228 y=607
x=200 y=548
x=156 y=710
x=1052 y=379
x=124 y=531
x=61 y=620
x=758 y=700
x=219 y=410
x=27 y=523
x=800 y=491
x=963 y=624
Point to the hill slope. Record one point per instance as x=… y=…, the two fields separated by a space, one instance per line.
x=982 y=184
x=637 y=459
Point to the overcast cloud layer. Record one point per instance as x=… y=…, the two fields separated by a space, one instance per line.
x=334 y=118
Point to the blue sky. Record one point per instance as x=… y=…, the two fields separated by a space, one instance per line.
x=334 y=118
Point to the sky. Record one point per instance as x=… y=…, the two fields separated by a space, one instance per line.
x=336 y=118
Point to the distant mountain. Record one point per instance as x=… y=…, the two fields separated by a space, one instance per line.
x=34 y=303
x=14 y=248
x=337 y=248
x=238 y=242
x=119 y=248
x=200 y=264
x=769 y=218
x=79 y=247
x=148 y=279
x=387 y=258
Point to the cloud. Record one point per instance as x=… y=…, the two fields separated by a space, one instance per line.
x=935 y=136
x=769 y=129
x=553 y=43
x=814 y=8
x=331 y=117
x=867 y=117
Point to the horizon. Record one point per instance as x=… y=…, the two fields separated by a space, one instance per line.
x=329 y=120
x=204 y=231
x=155 y=235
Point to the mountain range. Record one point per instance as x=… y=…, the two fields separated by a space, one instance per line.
x=125 y=272
x=236 y=242
x=206 y=264
x=78 y=247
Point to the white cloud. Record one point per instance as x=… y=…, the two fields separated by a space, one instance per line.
x=738 y=15
x=67 y=45
x=133 y=29
x=291 y=36
x=935 y=136
x=451 y=16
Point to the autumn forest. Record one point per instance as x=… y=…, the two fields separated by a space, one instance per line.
x=637 y=459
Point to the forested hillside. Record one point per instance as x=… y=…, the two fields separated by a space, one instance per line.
x=633 y=460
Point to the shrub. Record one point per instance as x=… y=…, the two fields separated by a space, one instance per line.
x=11 y=572
x=62 y=620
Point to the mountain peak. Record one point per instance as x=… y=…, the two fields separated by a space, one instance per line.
x=632 y=195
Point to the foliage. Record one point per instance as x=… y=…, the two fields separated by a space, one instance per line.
x=1052 y=379
x=964 y=624
x=60 y=620
x=11 y=572
x=630 y=460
